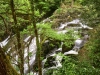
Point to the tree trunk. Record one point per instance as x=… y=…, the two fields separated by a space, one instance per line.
x=38 y=53
x=5 y=66
x=16 y=27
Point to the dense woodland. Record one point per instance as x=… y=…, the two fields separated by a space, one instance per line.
x=39 y=20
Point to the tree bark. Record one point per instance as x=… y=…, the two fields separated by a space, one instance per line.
x=38 y=53
x=16 y=27
x=5 y=66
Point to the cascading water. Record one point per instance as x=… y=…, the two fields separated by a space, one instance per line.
x=32 y=49
x=3 y=43
x=57 y=60
x=78 y=42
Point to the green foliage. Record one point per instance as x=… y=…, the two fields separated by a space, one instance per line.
x=43 y=6
x=71 y=66
x=91 y=14
x=30 y=54
x=93 y=47
x=59 y=10
x=28 y=31
x=47 y=31
x=22 y=10
x=68 y=68
x=84 y=68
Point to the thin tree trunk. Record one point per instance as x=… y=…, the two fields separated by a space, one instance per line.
x=16 y=27
x=38 y=53
x=5 y=66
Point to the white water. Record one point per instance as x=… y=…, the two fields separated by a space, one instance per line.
x=78 y=42
x=26 y=40
x=3 y=43
x=62 y=32
x=58 y=59
x=32 y=47
x=71 y=52
x=76 y=21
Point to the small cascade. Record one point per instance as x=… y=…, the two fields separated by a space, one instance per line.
x=74 y=22
x=54 y=58
x=71 y=52
x=79 y=42
x=3 y=43
x=31 y=49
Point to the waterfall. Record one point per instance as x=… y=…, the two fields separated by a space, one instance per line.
x=78 y=44
x=32 y=49
x=76 y=21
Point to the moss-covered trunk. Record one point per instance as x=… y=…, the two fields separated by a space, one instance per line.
x=16 y=27
x=38 y=53
x=5 y=66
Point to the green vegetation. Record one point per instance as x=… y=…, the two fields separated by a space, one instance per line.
x=25 y=17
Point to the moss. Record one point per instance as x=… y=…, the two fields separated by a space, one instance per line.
x=5 y=66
